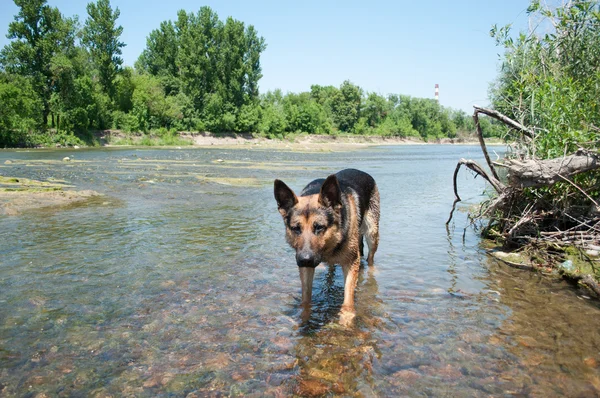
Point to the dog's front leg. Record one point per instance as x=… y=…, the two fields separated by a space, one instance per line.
x=347 y=313
x=307 y=275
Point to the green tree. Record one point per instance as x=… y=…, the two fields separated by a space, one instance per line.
x=231 y=68
x=160 y=53
x=198 y=55
x=345 y=106
x=215 y=64
x=255 y=45
x=78 y=102
x=151 y=108
x=273 y=122
x=39 y=32
x=20 y=110
x=101 y=37
x=375 y=109
x=304 y=114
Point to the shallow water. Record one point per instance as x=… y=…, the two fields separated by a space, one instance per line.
x=178 y=280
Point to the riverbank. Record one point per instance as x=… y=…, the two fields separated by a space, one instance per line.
x=117 y=138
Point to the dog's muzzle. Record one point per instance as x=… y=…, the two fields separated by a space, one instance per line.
x=305 y=259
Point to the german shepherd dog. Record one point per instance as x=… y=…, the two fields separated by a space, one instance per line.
x=327 y=223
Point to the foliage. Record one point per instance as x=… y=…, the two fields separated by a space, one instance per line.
x=215 y=64
x=101 y=37
x=345 y=106
x=550 y=76
x=39 y=33
x=20 y=110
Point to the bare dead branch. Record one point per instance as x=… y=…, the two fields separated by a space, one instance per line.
x=483 y=147
x=494 y=182
x=540 y=173
x=505 y=119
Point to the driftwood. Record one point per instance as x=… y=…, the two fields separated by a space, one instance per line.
x=543 y=173
x=525 y=173
x=520 y=220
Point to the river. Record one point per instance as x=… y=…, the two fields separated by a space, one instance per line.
x=178 y=282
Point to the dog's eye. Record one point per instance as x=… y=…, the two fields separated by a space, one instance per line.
x=296 y=229
x=318 y=228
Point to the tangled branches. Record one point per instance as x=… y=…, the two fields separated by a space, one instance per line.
x=549 y=202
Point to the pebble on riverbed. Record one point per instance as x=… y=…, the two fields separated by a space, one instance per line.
x=311 y=388
x=591 y=362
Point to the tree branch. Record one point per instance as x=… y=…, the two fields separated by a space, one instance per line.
x=494 y=182
x=505 y=119
x=482 y=144
x=540 y=173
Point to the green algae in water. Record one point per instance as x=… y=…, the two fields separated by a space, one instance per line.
x=234 y=181
x=24 y=184
x=31 y=189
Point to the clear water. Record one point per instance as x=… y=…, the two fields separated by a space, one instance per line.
x=178 y=281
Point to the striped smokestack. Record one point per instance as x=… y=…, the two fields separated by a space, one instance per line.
x=437 y=92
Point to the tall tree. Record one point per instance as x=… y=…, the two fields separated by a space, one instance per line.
x=345 y=106
x=231 y=63
x=255 y=45
x=160 y=54
x=39 y=33
x=216 y=64
x=101 y=37
x=198 y=56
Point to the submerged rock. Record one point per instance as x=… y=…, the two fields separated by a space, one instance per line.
x=311 y=388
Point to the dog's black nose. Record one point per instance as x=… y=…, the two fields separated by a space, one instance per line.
x=304 y=259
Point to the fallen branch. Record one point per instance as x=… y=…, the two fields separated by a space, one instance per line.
x=483 y=147
x=543 y=173
x=471 y=164
x=494 y=180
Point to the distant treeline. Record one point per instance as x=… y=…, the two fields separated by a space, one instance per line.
x=59 y=81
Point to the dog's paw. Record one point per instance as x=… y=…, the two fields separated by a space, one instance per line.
x=347 y=317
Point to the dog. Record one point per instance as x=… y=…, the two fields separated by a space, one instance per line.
x=327 y=223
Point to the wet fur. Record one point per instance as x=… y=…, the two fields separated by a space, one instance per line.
x=327 y=223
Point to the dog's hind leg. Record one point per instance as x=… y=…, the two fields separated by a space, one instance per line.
x=370 y=225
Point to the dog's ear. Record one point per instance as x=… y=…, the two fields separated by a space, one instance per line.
x=331 y=194
x=285 y=197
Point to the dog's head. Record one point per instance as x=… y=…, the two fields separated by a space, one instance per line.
x=313 y=222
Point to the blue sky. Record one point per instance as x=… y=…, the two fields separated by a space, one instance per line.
x=402 y=47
